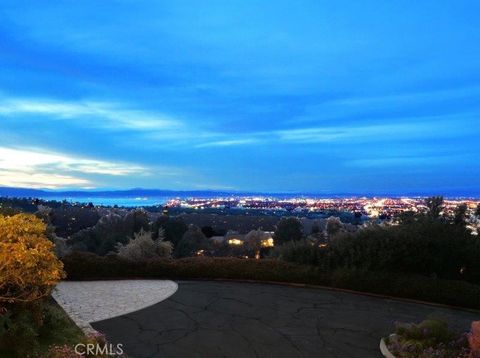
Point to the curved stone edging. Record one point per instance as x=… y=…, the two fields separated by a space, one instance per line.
x=384 y=349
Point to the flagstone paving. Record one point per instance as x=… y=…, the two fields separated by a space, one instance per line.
x=224 y=319
x=90 y=301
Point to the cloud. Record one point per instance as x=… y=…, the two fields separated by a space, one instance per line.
x=37 y=168
x=96 y=114
x=41 y=180
x=405 y=161
x=227 y=143
x=379 y=132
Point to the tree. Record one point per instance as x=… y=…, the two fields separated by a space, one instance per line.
x=254 y=240
x=208 y=231
x=110 y=230
x=315 y=229
x=477 y=211
x=288 y=229
x=174 y=228
x=136 y=220
x=460 y=215
x=191 y=243
x=434 y=205
x=334 y=226
x=29 y=268
x=406 y=217
x=143 y=247
x=69 y=219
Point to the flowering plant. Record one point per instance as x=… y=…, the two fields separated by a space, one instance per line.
x=474 y=340
x=433 y=339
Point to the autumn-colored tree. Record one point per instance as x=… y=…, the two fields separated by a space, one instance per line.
x=29 y=268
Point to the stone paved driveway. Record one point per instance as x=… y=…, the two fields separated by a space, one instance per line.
x=222 y=319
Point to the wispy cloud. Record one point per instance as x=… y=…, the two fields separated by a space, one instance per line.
x=405 y=161
x=37 y=168
x=96 y=114
x=379 y=132
x=227 y=142
x=41 y=180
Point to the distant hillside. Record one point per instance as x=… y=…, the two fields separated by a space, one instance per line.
x=24 y=192
x=139 y=192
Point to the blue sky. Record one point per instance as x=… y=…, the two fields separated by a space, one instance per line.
x=317 y=96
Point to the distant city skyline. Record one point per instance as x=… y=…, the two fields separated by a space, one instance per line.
x=313 y=97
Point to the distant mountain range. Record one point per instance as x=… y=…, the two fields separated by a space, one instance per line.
x=139 y=192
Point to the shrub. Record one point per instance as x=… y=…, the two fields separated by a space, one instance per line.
x=334 y=226
x=428 y=247
x=474 y=339
x=109 y=231
x=142 y=247
x=431 y=338
x=22 y=334
x=69 y=219
x=450 y=292
x=193 y=240
x=29 y=268
x=305 y=252
x=174 y=228
x=85 y=266
x=288 y=229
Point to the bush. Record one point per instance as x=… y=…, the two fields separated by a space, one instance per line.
x=29 y=268
x=431 y=338
x=192 y=242
x=305 y=252
x=142 y=247
x=69 y=219
x=84 y=266
x=427 y=247
x=417 y=287
x=109 y=231
x=174 y=228
x=288 y=229
x=27 y=331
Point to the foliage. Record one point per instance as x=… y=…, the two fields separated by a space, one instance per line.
x=430 y=338
x=8 y=210
x=460 y=215
x=434 y=206
x=69 y=219
x=110 y=230
x=254 y=240
x=306 y=252
x=61 y=247
x=424 y=246
x=208 y=231
x=334 y=226
x=24 y=335
x=193 y=240
x=136 y=220
x=12 y=206
x=87 y=266
x=143 y=247
x=29 y=268
x=288 y=229
x=473 y=338
x=174 y=228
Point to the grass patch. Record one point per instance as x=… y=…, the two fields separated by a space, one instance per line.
x=30 y=330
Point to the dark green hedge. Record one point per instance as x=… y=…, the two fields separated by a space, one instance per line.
x=87 y=266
